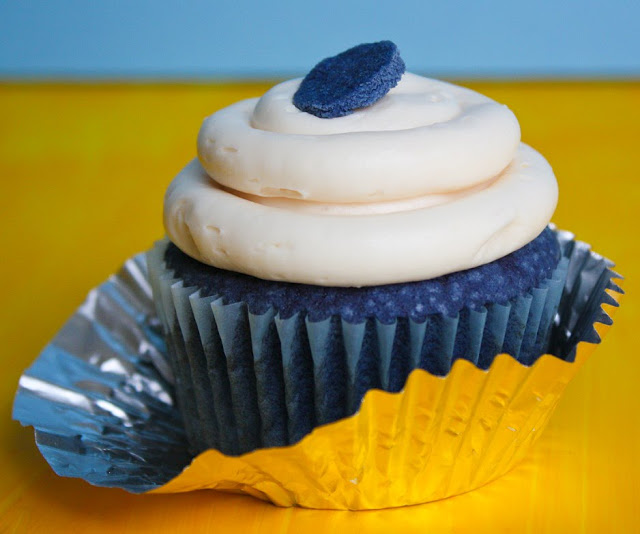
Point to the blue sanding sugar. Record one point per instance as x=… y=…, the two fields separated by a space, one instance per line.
x=497 y=282
x=355 y=78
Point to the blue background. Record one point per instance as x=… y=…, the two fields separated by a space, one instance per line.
x=252 y=39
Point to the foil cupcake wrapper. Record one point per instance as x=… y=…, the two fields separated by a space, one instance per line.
x=101 y=401
x=100 y=396
x=247 y=381
x=438 y=438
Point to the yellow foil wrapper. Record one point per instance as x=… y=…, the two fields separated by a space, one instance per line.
x=439 y=437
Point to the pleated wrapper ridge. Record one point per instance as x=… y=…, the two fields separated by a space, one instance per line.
x=101 y=394
x=246 y=381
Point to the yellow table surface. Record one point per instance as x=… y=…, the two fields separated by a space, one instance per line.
x=83 y=170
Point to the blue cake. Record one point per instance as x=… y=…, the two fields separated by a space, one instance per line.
x=499 y=281
x=266 y=338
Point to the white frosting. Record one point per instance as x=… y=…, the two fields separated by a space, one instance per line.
x=364 y=208
x=425 y=136
x=220 y=228
x=430 y=180
x=414 y=102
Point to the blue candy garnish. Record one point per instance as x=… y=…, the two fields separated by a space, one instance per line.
x=355 y=78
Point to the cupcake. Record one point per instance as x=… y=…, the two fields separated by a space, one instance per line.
x=340 y=232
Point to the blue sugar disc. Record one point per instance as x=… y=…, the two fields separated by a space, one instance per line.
x=355 y=78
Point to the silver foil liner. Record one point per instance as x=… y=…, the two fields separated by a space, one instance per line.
x=100 y=396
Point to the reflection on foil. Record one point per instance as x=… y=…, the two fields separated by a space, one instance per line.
x=100 y=397
x=584 y=293
x=100 y=394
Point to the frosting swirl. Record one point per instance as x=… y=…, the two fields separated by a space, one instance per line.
x=429 y=180
x=425 y=136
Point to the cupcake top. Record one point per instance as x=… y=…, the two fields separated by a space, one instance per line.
x=429 y=179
